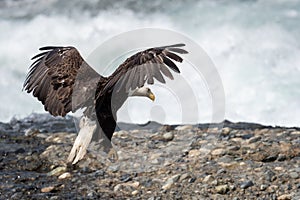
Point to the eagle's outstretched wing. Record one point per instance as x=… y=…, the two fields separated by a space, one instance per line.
x=53 y=76
x=144 y=66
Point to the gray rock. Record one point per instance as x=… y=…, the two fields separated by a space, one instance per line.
x=246 y=184
x=297 y=169
x=221 y=171
x=294 y=175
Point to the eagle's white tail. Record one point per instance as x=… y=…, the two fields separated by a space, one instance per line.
x=87 y=129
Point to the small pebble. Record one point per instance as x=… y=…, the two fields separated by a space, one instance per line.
x=294 y=175
x=263 y=187
x=222 y=189
x=113 y=168
x=57 y=171
x=194 y=153
x=168 y=136
x=47 y=189
x=247 y=184
x=218 y=152
x=170 y=182
x=184 y=176
x=208 y=179
x=65 y=175
x=117 y=187
x=278 y=168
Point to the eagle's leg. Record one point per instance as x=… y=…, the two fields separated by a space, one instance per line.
x=100 y=142
x=87 y=129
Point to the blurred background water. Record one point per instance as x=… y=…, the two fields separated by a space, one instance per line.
x=254 y=44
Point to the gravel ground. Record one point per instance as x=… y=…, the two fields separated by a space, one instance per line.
x=205 y=161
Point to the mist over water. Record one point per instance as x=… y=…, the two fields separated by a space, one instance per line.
x=254 y=45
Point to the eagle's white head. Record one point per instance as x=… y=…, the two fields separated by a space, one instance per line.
x=142 y=92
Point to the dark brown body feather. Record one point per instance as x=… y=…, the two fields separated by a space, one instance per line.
x=61 y=79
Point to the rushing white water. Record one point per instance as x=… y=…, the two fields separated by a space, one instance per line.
x=255 y=46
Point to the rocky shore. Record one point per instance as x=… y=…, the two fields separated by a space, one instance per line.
x=204 y=161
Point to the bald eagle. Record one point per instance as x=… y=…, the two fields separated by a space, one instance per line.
x=64 y=82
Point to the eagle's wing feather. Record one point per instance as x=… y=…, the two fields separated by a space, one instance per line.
x=53 y=76
x=144 y=66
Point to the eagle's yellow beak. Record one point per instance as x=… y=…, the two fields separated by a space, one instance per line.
x=151 y=96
